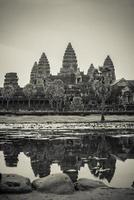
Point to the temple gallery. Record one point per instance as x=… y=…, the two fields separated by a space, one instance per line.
x=70 y=90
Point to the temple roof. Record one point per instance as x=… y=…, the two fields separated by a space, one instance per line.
x=108 y=61
x=69 y=54
x=91 y=68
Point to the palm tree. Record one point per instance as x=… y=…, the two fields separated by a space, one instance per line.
x=29 y=91
x=7 y=93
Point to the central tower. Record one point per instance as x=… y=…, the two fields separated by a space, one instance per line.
x=69 y=64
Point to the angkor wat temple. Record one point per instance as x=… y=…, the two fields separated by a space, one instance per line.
x=76 y=84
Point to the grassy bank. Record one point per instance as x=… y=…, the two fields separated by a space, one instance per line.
x=63 y=118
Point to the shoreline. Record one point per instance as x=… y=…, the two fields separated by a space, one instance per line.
x=65 y=113
x=66 y=123
x=99 y=193
x=66 y=118
x=60 y=186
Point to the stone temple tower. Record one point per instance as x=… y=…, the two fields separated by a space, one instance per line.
x=92 y=73
x=11 y=79
x=41 y=71
x=109 y=69
x=69 y=64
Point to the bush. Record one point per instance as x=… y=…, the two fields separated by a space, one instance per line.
x=77 y=104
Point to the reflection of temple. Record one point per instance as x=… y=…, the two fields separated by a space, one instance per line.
x=98 y=151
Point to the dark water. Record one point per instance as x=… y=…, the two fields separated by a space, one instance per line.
x=103 y=157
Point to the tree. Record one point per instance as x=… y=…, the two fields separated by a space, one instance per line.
x=29 y=91
x=102 y=89
x=40 y=89
x=7 y=93
x=55 y=93
x=77 y=104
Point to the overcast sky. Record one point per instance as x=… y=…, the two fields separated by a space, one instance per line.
x=96 y=28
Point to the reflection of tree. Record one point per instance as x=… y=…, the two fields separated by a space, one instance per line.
x=56 y=150
x=102 y=167
x=103 y=148
x=11 y=153
x=122 y=147
x=38 y=153
x=70 y=165
x=70 y=161
x=40 y=167
x=101 y=163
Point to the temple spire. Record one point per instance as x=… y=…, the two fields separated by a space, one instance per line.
x=40 y=71
x=92 y=72
x=108 y=62
x=109 y=69
x=35 y=65
x=90 y=69
x=69 y=64
x=43 y=60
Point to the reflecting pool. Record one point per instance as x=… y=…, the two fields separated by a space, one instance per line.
x=106 y=157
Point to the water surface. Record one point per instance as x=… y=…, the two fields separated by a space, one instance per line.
x=105 y=156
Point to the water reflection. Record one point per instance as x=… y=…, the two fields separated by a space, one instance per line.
x=98 y=152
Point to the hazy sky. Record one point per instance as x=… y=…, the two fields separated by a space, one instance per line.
x=95 y=28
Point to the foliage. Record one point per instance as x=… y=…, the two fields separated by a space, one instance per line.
x=29 y=90
x=7 y=93
x=77 y=104
x=40 y=90
x=102 y=89
x=55 y=92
